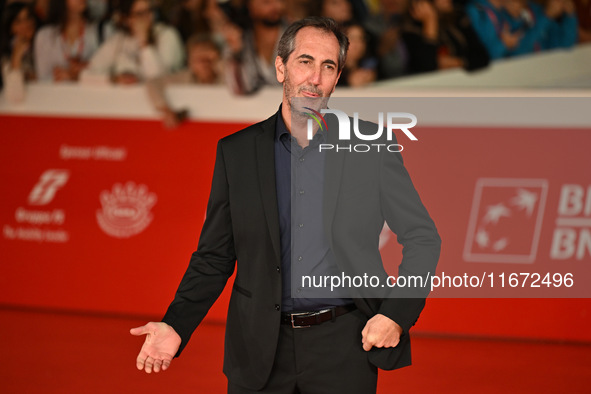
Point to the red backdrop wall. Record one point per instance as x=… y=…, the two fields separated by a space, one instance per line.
x=72 y=239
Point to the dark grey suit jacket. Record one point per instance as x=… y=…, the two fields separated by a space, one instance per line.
x=242 y=230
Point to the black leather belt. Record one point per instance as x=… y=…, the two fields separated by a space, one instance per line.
x=307 y=319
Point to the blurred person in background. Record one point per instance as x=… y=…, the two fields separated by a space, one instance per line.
x=97 y=9
x=384 y=28
x=438 y=36
x=2 y=7
x=298 y=9
x=583 y=9
x=204 y=67
x=64 y=47
x=420 y=33
x=563 y=29
x=16 y=42
x=339 y=10
x=107 y=24
x=459 y=45
x=189 y=17
x=201 y=17
x=250 y=54
x=41 y=10
x=162 y=10
x=361 y=64
x=491 y=25
x=141 y=49
x=541 y=28
x=515 y=27
x=237 y=12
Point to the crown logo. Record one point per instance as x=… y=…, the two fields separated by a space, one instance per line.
x=125 y=210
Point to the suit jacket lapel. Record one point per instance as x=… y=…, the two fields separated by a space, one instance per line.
x=265 y=155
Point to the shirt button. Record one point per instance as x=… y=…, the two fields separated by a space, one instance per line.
x=301 y=225
x=278 y=269
x=300 y=258
x=277 y=307
x=301 y=192
x=302 y=160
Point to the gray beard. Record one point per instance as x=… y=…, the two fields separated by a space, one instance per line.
x=297 y=104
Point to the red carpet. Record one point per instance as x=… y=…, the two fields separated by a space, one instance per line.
x=47 y=352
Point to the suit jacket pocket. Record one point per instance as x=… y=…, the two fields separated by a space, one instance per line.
x=242 y=291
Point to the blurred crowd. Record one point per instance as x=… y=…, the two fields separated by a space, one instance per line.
x=234 y=42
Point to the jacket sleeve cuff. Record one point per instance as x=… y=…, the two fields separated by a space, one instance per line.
x=403 y=311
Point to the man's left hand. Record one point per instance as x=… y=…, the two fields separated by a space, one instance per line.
x=380 y=331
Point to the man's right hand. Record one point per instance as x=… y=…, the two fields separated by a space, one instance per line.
x=162 y=343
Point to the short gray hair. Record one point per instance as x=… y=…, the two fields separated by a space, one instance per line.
x=287 y=42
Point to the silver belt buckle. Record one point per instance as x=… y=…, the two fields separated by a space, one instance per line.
x=293 y=325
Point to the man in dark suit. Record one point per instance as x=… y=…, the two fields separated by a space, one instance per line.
x=280 y=208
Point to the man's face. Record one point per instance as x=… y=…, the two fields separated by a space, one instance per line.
x=311 y=71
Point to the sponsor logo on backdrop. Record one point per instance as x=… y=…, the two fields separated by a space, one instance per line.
x=572 y=236
x=41 y=225
x=506 y=220
x=49 y=182
x=125 y=210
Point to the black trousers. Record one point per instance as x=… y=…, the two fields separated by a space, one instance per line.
x=322 y=359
